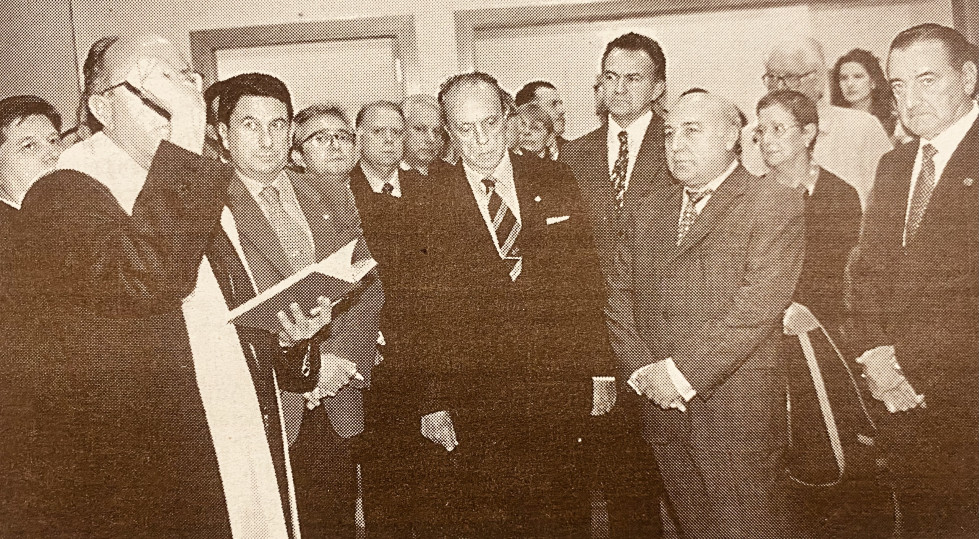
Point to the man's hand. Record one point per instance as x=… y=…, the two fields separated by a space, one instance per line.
x=798 y=319
x=438 y=428
x=176 y=89
x=881 y=370
x=902 y=398
x=603 y=395
x=302 y=327
x=655 y=383
x=335 y=372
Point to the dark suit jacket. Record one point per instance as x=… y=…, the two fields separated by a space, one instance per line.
x=120 y=442
x=714 y=304
x=832 y=218
x=923 y=298
x=353 y=331
x=588 y=158
x=490 y=349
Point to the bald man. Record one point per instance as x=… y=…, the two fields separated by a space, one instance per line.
x=726 y=249
x=425 y=136
x=850 y=141
x=153 y=417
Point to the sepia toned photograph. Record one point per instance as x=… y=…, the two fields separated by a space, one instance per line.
x=518 y=269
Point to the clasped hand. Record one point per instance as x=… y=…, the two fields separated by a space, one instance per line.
x=178 y=91
x=437 y=427
x=335 y=373
x=887 y=382
x=654 y=382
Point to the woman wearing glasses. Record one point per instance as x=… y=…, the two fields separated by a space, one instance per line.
x=828 y=505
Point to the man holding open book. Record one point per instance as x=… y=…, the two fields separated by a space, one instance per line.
x=283 y=226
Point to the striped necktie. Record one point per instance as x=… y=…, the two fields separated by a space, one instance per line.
x=690 y=212
x=922 y=191
x=504 y=222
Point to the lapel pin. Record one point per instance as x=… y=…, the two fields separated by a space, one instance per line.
x=537 y=198
x=968 y=182
x=326 y=216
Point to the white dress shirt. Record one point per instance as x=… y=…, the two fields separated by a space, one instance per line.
x=945 y=143
x=637 y=131
x=377 y=182
x=287 y=196
x=683 y=386
x=503 y=176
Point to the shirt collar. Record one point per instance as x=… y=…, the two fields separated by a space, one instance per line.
x=377 y=182
x=948 y=140
x=256 y=187
x=716 y=182
x=502 y=174
x=11 y=203
x=636 y=130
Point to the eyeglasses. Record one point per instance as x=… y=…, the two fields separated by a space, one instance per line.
x=790 y=80
x=777 y=131
x=323 y=138
x=157 y=108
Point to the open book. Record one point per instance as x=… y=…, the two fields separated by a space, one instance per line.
x=333 y=277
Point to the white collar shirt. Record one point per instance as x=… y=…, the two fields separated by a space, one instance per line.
x=287 y=196
x=636 y=131
x=503 y=176
x=945 y=143
x=377 y=182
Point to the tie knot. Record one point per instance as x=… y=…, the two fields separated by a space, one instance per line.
x=696 y=196
x=490 y=184
x=388 y=188
x=270 y=194
x=623 y=137
x=928 y=151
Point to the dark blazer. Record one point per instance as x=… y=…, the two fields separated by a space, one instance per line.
x=382 y=215
x=715 y=305
x=832 y=216
x=120 y=441
x=588 y=158
x=7 y=215
x=534 y=342
x=353 y=330
x=923 y=298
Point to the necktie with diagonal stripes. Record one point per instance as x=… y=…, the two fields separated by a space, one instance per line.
x=293 y=238
x=504 y=221
x=922 y=191
x=690 y=212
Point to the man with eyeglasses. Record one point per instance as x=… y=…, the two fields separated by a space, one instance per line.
x=850 y=141
x=284 y=223
x=153 y=416
x=619 y=167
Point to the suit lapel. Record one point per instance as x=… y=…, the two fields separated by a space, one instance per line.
x=254 y=227
x=327 y=238
x=647 y=170
x=730 y=190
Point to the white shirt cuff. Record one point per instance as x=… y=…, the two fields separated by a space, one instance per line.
x=680 y=382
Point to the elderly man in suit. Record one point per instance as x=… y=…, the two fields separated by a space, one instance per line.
x=425 y=136
x=152 y=415
x=724 y=249
x=915 y=286
x=619 y=168
x=283 y=225
x=511 y=331
x=546 y=95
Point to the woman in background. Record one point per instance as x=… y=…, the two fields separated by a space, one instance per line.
x=858 y=82
x=537 y=136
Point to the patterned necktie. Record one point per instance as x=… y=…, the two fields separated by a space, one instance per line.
x=690 y=212
x=504 y=222
x=387 y=189
x=922 y=191
x=621 y=170
x=291 y=235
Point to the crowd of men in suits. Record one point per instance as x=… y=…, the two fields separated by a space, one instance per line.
x=606 y=312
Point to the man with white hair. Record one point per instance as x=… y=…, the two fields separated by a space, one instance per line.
x=424 y=134
x=850 y=141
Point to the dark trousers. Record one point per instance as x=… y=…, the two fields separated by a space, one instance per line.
x=932 y=455
x=324 y=468
x=626 y=471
